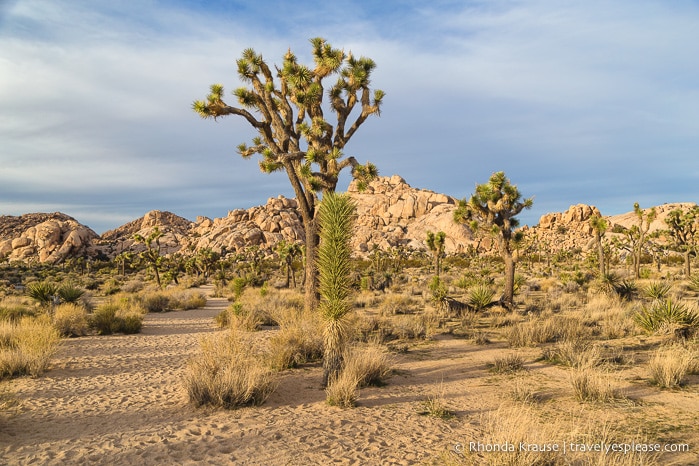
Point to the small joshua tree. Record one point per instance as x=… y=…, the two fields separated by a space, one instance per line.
x=151 y=256
x=435 y=243
x=599 y=228
x=493 y=208
x=683 y=232
x=336 y=215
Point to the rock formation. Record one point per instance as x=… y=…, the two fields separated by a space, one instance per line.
x=47 y=238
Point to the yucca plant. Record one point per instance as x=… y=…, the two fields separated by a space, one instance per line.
x=480 y=297
x=42 y=292
x=694 y=283
x=336 y=215
x=656 y=290
x=661 y=315
x=69 y=293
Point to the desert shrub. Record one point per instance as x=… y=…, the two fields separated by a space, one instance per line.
x=531 y=333
x=226 y=373
x=117 y=316
x=656 y=290
x=188 y=299
x=71 y=320
x=110 y=287
x=524 y=392
x=664 y=316
x=155 y=301
x=12 y=309
x=592 y=386
x=398 y=304
x=27 y=346
x=237 y=286
x=132 y=286
x=103 y=319
x=668 y=366
x=410 y=327
x=480 y=297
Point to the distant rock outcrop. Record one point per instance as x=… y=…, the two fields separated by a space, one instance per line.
x=47 y=238
x=390 y=214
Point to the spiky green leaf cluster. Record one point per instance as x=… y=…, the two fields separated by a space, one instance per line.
x=336 y=217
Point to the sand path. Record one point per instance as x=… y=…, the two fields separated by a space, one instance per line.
x=120 y=400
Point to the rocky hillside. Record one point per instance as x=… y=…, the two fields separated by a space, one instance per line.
x=47 y=238
x=390 y=213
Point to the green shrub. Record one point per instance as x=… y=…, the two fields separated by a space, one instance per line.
x=103 y=319
x=155 y=302
x=656 y=290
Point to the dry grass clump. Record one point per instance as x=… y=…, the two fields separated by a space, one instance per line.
x=227 y=374
x=590 y=385
x=71 y=320
x=576 y=353
x=13 y=308
x=174 y=299
x=523 y=392
x=518 y=436
x=27 y=346
x=547 y=329
x=669 y=366
x=343 y=391
x=509 y=363
x=299 y=339
x=370 y=365
x=394 y=304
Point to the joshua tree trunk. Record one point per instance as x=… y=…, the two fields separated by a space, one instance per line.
x=311 y=296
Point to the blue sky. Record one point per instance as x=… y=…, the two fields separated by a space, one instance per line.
x=592 y=101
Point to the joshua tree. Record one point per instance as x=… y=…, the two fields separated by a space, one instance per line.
x=683 y=233
x=435 y=243
x=151 y=256
x=599 y=228
x=286 y=108
x=122 y=259
x=288 y=252
x=493 y=208
x=336 y=214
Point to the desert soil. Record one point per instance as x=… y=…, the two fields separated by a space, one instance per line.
x=120 y=400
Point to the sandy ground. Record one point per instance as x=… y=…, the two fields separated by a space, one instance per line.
x=120 y=400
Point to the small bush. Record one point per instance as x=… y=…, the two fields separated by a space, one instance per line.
x=574 y=353
x=71 y=320
x=227 y=373
x=155 y=302
x=117 y=316
x=297 y=342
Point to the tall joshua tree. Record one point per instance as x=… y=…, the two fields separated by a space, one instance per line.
x=336 y=214
x=286 y=108
x=492 y=208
